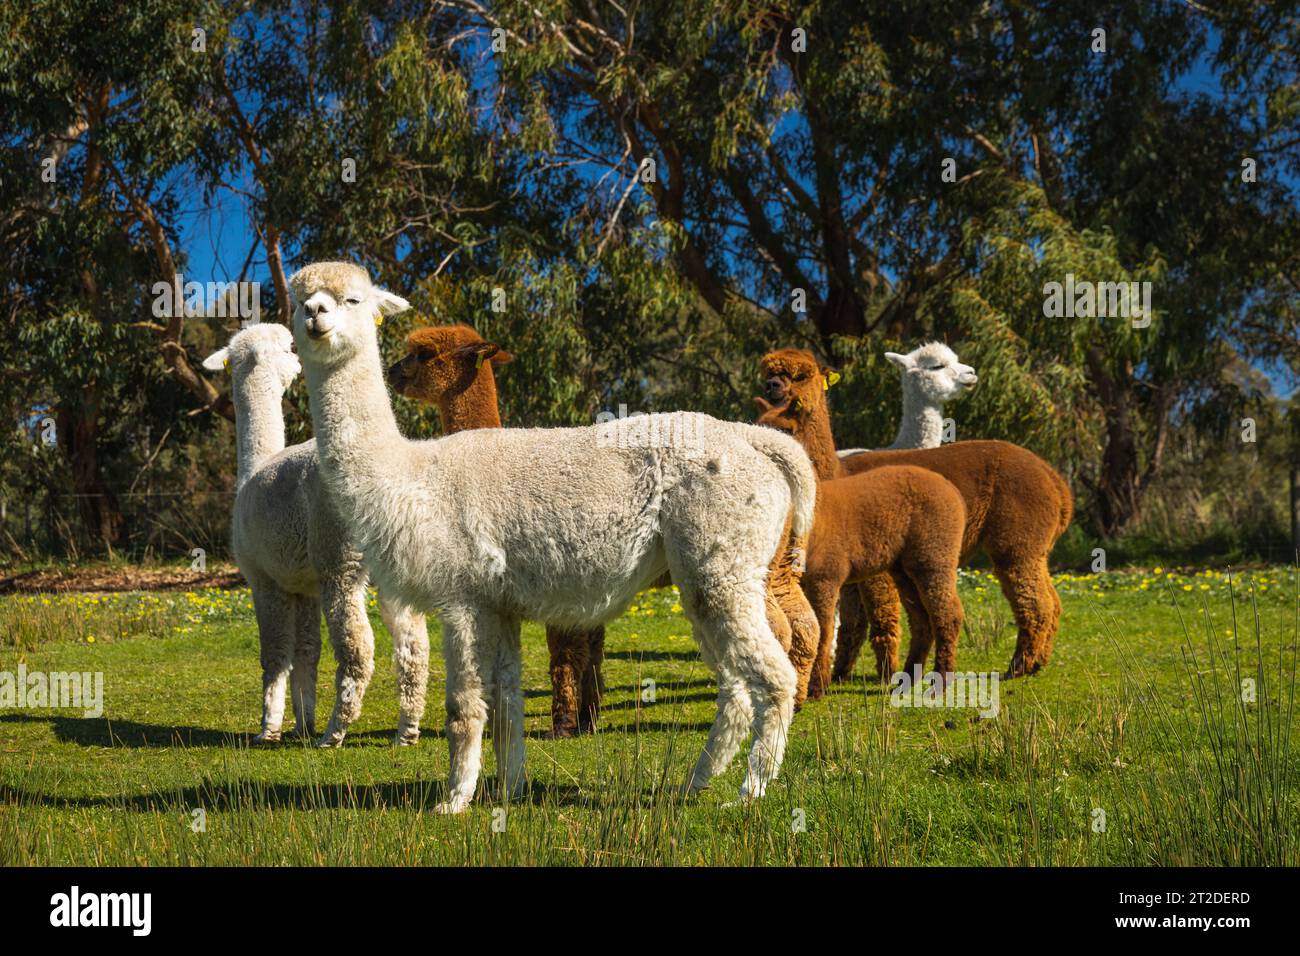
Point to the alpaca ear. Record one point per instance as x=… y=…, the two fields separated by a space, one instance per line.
x=217 y=360
x=389 y=303
x=483 y=352
x=902 y=361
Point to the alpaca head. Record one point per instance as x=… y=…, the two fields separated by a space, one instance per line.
x=336 y=311
x=260 y=359
x=794 y=377
x=442 y=361
x=933 y=374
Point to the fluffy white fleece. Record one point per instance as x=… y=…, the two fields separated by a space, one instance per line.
x=562 y=525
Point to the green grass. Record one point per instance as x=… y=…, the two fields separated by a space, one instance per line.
x=1139 y=716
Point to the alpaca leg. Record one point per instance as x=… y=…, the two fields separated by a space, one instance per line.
x=734 y=709
x=918 y=621
x=937 y=591
x=411 y=662
x=771 y=680
x=776 y=618
x=881 y=603
x=1036 y=606
x=797 y=616
x=822 y=595
x=570 y=658
x=719 y=550
x=344 y=598
x=735 y=714
x=306 y=660
x=470 y=655
x=592 y=685
x=274 y=611
x=851 y=633
x=506 y=710
x=756 y=684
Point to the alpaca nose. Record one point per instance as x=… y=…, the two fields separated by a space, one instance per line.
x=775 y=388
x=395 y=374
x=318 y=325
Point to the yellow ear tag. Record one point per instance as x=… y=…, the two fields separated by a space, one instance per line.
x=225 y=363
x=478 y=360
x=379 y=318
x=830 y=379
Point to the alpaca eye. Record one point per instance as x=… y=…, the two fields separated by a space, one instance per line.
x=353 y=300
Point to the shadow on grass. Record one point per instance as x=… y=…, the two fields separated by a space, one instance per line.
x=103 y=732
x=652 y=655
x=666 y=698
x=245 y=795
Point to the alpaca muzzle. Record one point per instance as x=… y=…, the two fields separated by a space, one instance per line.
x=318 y=326
x=774 y=389
x=396 y=377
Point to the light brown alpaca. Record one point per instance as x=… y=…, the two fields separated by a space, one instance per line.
x=1017 y=506
x=904 y=522
x=450 y=367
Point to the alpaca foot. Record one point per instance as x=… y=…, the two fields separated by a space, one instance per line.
x=303 y=733
x=1021 y=666
x=332 y=738
x=691 y=787
x=517 y=792
x=407 y=738
x=267 y=737
x=562 y=730
x=452 y=805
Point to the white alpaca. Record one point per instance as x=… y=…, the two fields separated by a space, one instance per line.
x=563 y=525
x=290 y=547
x=932 y=377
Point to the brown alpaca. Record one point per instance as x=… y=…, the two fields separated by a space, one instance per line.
x=1017 y=506
x=903 y=522
x=450 y=366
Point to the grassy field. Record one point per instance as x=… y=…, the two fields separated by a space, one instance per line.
x=1137 y=745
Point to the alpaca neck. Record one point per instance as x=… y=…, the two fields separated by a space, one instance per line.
x=259 y=428
x=356 y=433
x=474 y=406
x=818 y=441
x=922 y=424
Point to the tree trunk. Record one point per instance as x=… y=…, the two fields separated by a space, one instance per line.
x=96 y=504
x=842 y=314
x=1295 y=513
x=1119 y=490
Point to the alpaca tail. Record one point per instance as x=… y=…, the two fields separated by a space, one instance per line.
x=789 y=456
